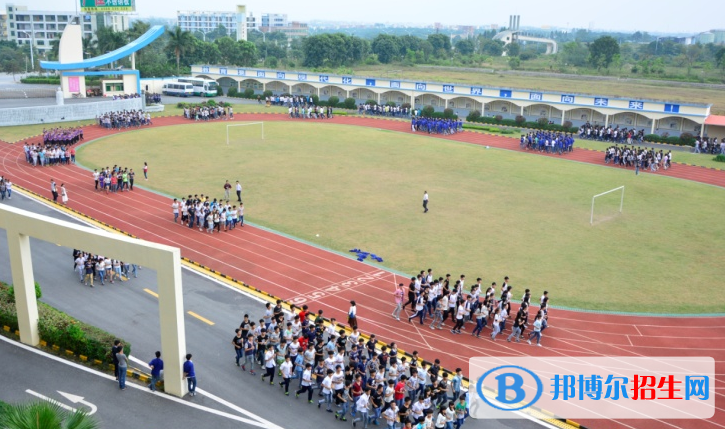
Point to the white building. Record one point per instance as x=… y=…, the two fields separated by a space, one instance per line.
x=42 y=27
x=205 y=22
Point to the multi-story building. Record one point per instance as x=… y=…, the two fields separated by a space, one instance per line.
x=205 y=22
x=41 y=27
x=3 y=26
x=273 y=20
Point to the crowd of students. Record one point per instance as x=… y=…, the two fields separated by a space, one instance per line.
x=638 y=158
x=6 y=188
x=112 y=180
x=547 y=141
x=435 y=125
x=207 y=214
x=91 y=267
x=367 y=381
x=49 y=154
x=383 y=110
x=62 y=136
x=610 y=134
x=709 y=146
x=310 y=111
x=206 y=113
x=124 y=119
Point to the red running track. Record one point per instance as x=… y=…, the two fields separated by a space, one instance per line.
x=300 y=273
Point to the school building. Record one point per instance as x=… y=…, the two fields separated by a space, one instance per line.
x=654 y=116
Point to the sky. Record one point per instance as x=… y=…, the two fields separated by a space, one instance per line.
x=654 y=16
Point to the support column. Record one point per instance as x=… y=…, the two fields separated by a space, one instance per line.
x=563 y=116
x=606 y=121
x=702 y=130
x=171 y=316
x=654 y=122
x=682 y=124
x=133 y=61
x=521 y=111
x=21 y=266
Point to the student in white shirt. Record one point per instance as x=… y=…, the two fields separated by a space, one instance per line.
x=306 y=385
x=326 y=391
x=286 y=369
x=362 y=407
x=269 y=364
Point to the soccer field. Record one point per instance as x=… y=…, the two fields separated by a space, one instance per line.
x=492 y=212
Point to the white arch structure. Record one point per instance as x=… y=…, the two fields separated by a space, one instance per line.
x=509 y=36
x=21 y=225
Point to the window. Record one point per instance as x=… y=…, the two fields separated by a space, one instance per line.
x=62 y=18
x=12 y=25
x=37 y=18
x=50 y=17
x=86 y=27
x=25 y=18
x=61 y=26
x=11 y=15
x=40 y=42
x=12 y=33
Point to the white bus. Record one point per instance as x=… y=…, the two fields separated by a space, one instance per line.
x=178 y=89
x=202 y=87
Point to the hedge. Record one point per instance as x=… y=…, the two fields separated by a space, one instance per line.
x=60 y=329
x=476 y=117
x=208 y=103
x=491 y=129
x=719 y=158
x=685 y=139
x=41 y=80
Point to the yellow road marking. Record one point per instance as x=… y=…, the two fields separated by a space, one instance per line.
x=207 y=321
x=150 y=292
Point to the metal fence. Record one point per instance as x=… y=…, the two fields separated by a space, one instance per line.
x=72 y=112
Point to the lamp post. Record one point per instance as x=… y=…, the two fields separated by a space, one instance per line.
x=264 y=40
x=32 y=42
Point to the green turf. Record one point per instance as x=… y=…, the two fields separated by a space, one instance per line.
x=493 y=212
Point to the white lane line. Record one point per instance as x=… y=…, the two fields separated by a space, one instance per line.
x=136 y=386
x=51 y=400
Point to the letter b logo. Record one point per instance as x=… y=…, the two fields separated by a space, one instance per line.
x=510 y=382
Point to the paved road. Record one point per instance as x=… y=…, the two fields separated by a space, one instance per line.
x=126 y=309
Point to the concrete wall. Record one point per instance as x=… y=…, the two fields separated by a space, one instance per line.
x=66 y=113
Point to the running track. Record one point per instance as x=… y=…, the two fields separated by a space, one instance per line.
x=302 y=273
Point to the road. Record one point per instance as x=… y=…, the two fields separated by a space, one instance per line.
x=130 y=310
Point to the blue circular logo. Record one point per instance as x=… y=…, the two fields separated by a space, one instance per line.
x=516 y=387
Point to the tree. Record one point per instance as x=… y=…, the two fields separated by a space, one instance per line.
x=602 y=51
x=180 y=42
x=573 y=54
x=465 y=47
x=441 y=43
x=386 y=47
x=513 y=49
x=720 y=58
x=490 y=47
x=691 y=54
x=514 y=63
x=43 y=414
x=11 y=61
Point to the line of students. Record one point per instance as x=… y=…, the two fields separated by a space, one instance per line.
x=207 y=214
x=435 y=125
x=549 y=142
x=90 y=267
x=353 y=377
x=440 y=299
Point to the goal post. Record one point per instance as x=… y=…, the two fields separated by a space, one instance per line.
x=261 y=124
x=621 y=201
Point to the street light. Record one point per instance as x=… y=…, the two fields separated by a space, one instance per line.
x=32 y=42
x=264 y=40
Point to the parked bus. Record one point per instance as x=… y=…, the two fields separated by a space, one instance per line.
x=178 y=89
x=202 y=87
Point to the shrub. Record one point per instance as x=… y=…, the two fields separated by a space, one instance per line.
x=473 y=116
x=719 y=158
x=567 y=124
x=405 y=105
x=542 y=121
x=655 y=138
x=350 y=103
x=333 y=101
x=219 y=90
x=371 y=102
x=449 y=114
x=520 y=119
x=687 y=139
x=11 y=292
x=41 y=80
x=428 y=111
x=316 y=100
x=232 y=92
x=210 y=103
x=498 y=118
x=674 y=140
x=267 y=93
x=249 y=93
x=58 y=328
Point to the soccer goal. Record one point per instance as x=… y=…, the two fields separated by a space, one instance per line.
x=248 y=133
x=607 y=204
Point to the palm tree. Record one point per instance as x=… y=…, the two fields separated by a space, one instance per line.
x=180 y=42
x=90 y=47
x=43 y=414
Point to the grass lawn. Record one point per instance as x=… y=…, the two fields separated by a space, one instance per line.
x=493 y=212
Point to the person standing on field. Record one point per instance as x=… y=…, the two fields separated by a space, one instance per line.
x=54 y=190
x=425 y=201
x=227 y=187
x=145 y=171
x=239 y=192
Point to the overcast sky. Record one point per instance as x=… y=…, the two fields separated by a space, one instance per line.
x=667 y=16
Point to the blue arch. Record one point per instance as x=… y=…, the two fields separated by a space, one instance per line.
x=101 y=60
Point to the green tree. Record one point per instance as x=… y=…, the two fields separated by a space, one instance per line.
x=490 y=47
x=440 y=42
x=513 y=49
x=54 y=49
x=386 y=47
x=180 y=43
x=573 y=54
x=514 y=63
x=45 y=415
x=465 y=47
x=720 y=58
x=11 y=61
x=602 y=51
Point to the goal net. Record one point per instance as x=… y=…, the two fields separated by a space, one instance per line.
x=245 y=132
x=607 y=205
